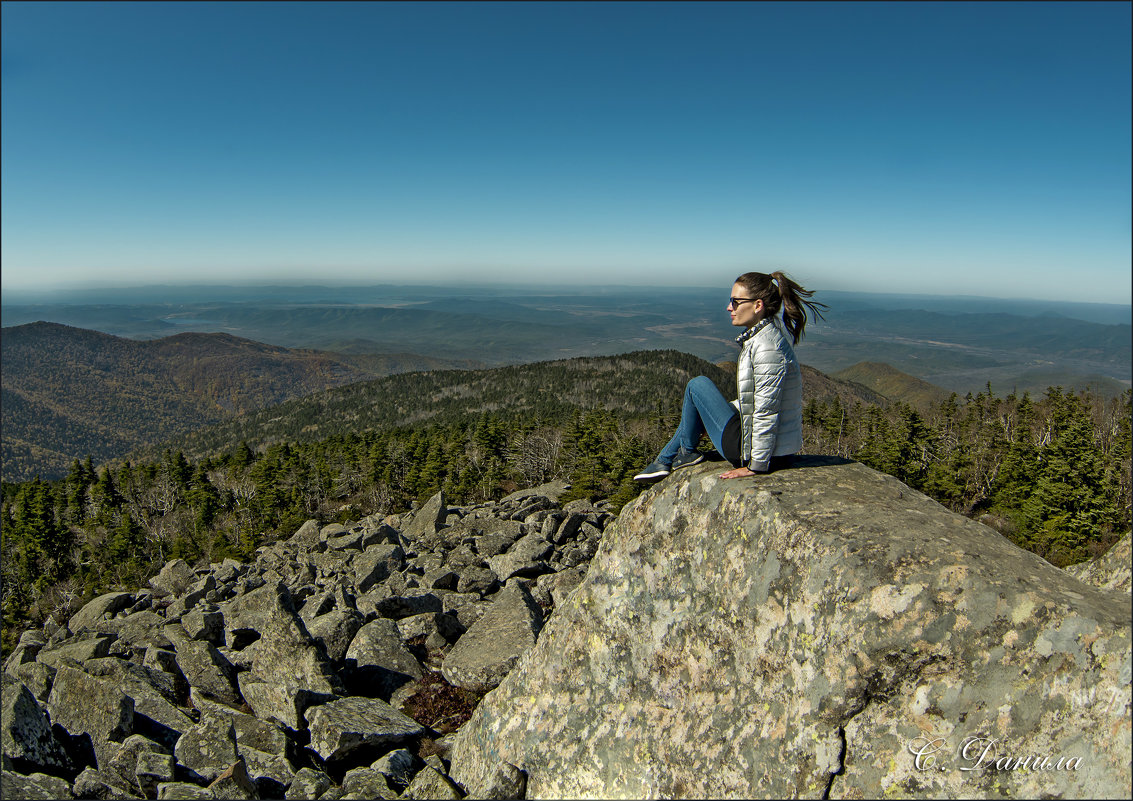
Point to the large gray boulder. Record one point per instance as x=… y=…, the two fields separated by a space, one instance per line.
x=157 y=714
x=83 y=704
x=1112 y=570
x=174 y=578
x=102 y=606
x=376 y=564
x=342 y=726
x=35 y=786
x=379 y=661
x=493 y=644
x=25 y=731
x=820 y=631
x=527 y=557
x=285 y=650
x=209 y=748
x=427 y=521
x=203 y=666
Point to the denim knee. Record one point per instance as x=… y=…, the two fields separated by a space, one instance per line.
x=698 y=383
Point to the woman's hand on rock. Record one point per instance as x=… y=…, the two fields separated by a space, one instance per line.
x=739 y=472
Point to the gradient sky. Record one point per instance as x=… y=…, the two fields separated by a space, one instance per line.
x=957 y=148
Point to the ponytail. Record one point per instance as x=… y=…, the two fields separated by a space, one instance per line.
x=778 y=291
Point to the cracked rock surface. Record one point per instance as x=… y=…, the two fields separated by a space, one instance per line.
x=795 y=636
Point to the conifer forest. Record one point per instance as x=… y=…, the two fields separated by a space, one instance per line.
x=1051 y=473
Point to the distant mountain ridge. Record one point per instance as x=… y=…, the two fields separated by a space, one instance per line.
x=69 y=392
x=958 y=343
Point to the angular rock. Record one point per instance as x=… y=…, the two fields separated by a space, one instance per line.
x=505 y=782
x=37 y=677
x=308 y=784
x=498 y=537
x=428 y=520
x=378 y=534
x=165 y=660
x=494 y=643
x=399 y=767
x=135 y=679
x=124 y=763
x=552 y=490
x=478 y=580
x=105 y=785
x=103 y=605
x=25 y=730
x=135 y=632
x=285 y=650
x=183 y=791
x=204 y=623
x=431 y=784
x=174 y=578
x=307 y=536
x=203 y=666
x=34 y=787
x=366 y=783
x=350 y=541
x=527 y=557
x=209 y=748
x=335 y=631
x=439 y=578
x=151 y=770
x=1112 y=570
x=235 y=782
x=251 y=732
x=347 y=724
x=409 y=603
x=271 y=773
x=796 y=634
x=30 y=644
x=155 y=696
x=88 y=645
x=282 y=701
x=381 y=662
x=376 y=564
x=445 y=625
x=83 y=704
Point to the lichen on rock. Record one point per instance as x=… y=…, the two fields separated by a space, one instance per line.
x=804 y=634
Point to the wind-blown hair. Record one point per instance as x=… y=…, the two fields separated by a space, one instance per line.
x=777 y=291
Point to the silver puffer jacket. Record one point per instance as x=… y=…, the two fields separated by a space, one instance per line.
x=770 y=387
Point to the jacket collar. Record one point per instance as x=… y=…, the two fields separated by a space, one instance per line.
x=755 y=329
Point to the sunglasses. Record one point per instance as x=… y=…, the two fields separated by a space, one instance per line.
x=735 y=302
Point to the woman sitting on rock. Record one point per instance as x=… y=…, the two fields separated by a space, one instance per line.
x=762 y=430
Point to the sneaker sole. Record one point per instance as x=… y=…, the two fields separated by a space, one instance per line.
x=647 y=476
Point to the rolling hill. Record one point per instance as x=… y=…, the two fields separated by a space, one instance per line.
x=69 y=392
x=642 y=382
x=893 y=385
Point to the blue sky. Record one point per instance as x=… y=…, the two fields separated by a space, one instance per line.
x=957 y=148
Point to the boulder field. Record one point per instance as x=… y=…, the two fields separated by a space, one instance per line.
x=822 y=631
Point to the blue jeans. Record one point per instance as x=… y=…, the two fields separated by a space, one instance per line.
x=705 y=411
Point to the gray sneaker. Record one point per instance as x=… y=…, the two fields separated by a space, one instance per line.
x=687 y=458
x=653 y=471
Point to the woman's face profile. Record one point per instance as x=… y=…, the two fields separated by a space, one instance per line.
x=744 y=311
